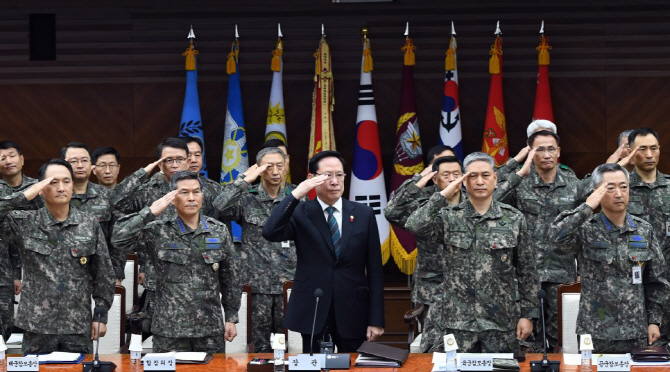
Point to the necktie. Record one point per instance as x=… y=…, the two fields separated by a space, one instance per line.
x=334 y=230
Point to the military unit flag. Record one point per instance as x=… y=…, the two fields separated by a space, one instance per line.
x=275 y=126
x=407 y=157
x=543 y=108
x=495 y=130
x=450 y=125
x=191 y=124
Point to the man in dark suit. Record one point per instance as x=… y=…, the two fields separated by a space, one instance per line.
x=338 y=251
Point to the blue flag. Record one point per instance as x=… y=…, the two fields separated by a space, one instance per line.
x=191 y=124
x=235 y=158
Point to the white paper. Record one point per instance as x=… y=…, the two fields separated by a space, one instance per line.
x=191 y=356
x=15 y=338
x=572 y=359
x=57 y=356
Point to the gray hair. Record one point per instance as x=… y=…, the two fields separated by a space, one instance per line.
x=183 y=175
x=540 y=124
x=623 y=134
x=269 y=150
x=478 y=156
x=597 y=175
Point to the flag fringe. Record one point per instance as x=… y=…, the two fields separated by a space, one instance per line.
x=406 y=262
x=231 y=63
x=494 y=61
x=409 y=48
x=543 y=48
x=386 y=250
x=276 y=56
x=367 y=56
x=408 y=171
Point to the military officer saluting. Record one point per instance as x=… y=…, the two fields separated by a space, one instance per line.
x=193 y=258
x=624 y=287
x=65 y=262
x=486 y=251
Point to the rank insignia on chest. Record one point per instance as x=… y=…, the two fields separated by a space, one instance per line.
x=215 y=266
x=83 y=260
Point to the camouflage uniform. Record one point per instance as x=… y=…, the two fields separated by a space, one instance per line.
x=266 y=265
x=10 y=259
x=131 y=195
x=65 y=263
x=540 y=203
x=484 y=257
x=96 y=202
x=428 y=271
x=512 y=166
x=612 y=309
x=194 y=268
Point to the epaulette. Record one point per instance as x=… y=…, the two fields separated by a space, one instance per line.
x=253 y=191
x=21 y=214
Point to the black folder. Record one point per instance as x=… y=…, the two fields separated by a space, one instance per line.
x=385 y=355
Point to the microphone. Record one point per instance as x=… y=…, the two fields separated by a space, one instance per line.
x=544 y=365
x=96 y=364
x=317 y=293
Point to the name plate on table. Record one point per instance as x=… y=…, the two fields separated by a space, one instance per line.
x=23 y=364
x=475 y=363
x=306 y=362
x=159 y=363
x=613 y=363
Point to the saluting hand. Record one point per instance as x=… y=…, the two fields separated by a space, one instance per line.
x=149 y=168
x=525 y=169
x=425 y=178
x=616 y=155
x=596 y=196
x=450 y=191
x=522 y=154
x=36 y=189
x=627 y=160
x=254 y=171
x=161 y=204
x=307 y=185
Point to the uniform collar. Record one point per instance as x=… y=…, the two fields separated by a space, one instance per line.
x=45 y=218
x=628 y=225
x=203 y=226
x=636 y=180
x=493 y=212
x=537 y=181
x=264 y=195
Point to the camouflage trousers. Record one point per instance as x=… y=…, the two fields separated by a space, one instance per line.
x=432 y=340
x=617 y=346
x=210 y=345
x=6 y=311
x=267 y=316
x=39 y=343
x=550 y=318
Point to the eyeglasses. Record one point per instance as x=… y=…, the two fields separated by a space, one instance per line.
x=169 y=161
x=82 y=161
x=109 y=166
x=337 y=176
x=548 y=150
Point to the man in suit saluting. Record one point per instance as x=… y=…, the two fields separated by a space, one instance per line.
x=337 y=245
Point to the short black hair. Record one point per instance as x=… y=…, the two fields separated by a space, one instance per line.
x=183 y=175
x=43 y=168
x=446 y=159
x=174 y=142
x=105 y=150
x=189 y=139
x=6 y=145
x=644 y=131
x=274 y=142
x=76 y=145
x=436 y=150
x=532 y=137
x=313 y=164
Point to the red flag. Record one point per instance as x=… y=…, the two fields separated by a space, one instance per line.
x=495 y=130
x=407 y=159
x=543 y=109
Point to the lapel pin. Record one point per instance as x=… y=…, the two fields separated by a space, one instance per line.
x=351 y=218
